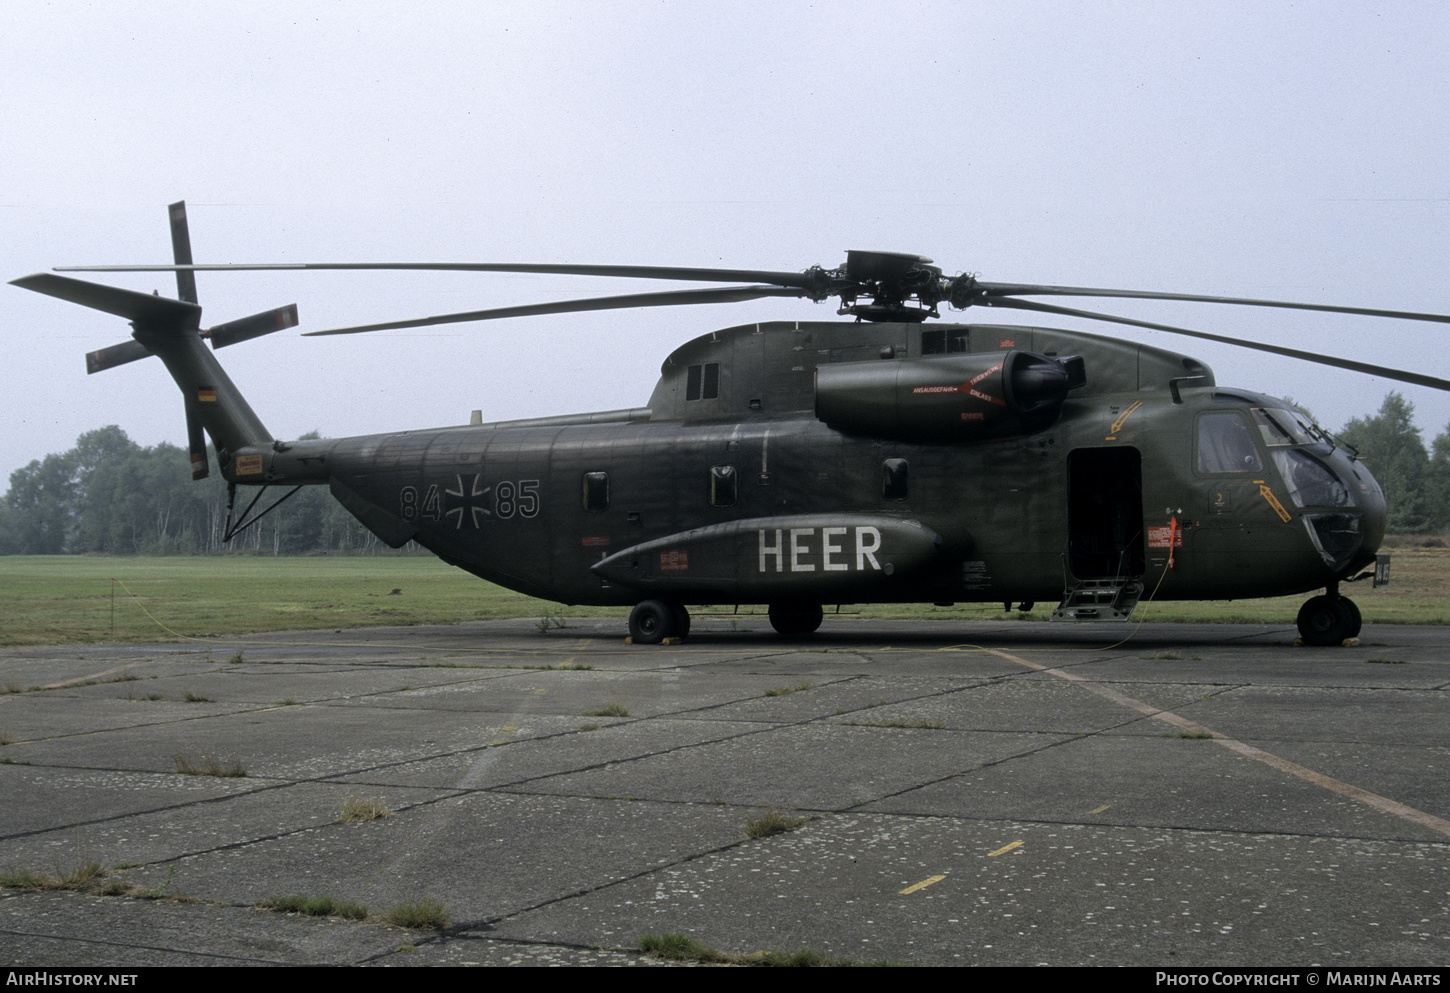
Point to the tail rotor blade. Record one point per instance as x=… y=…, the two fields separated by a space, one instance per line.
x=247 y=328
x=196 y=441
x=181 y=250
x=108 y=358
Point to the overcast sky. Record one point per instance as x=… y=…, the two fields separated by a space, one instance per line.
x=1264 y=149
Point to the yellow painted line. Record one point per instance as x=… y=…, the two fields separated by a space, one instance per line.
x=922 y=885
x=1380 y=803
x=1006 y=848
x=1099 y=810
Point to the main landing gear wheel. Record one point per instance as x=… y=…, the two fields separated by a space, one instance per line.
x=1329 y=620
x=796 y=620
x=652 y=621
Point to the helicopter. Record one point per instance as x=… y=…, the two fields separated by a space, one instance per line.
x=800 y=464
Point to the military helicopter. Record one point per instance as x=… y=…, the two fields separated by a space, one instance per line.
x=800 y=464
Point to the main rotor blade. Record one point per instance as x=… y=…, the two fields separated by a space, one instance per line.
x=1419 y=379
x=135 y=307
x=996 y=291
x=666 y=298
x=798 y=279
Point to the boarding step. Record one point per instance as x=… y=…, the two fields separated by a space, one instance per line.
x=1100 y=600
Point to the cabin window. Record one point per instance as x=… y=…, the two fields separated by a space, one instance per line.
x=940 y=341
x=893 y=479
x=1225 y=444
x=596 y=491
x=702 y=382
x=723 y=485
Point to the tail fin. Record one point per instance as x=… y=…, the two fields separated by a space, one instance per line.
x=171 y=329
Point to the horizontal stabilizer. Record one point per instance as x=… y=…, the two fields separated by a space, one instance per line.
x=156 y=312
x=247 y=328
x=108 y=358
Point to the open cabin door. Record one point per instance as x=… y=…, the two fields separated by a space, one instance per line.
x=1105 y=554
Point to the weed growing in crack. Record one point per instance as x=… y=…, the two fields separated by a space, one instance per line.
x=210 y=765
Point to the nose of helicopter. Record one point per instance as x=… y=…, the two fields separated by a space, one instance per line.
x=1348 y=535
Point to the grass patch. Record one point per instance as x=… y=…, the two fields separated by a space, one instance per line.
x=161 y=892
x=787 y=690
x=79 y=877
x=315 y=906
x=426 y=914
x=772 y=823
x=92 y=877
x=19 y=879
x=359 y=811
x=66 y=599
x=210 y=765
x=548 y=621
x=608 y=710
x=679 y=947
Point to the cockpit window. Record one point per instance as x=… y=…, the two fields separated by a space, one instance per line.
x=1225 y=444
x=1282 y=427
x=1310 y=483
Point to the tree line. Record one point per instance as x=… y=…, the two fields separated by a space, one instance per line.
x=1416 y=481
x=109 y=494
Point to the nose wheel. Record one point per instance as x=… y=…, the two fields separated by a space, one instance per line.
x=1328 y=620
x=652 y=621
